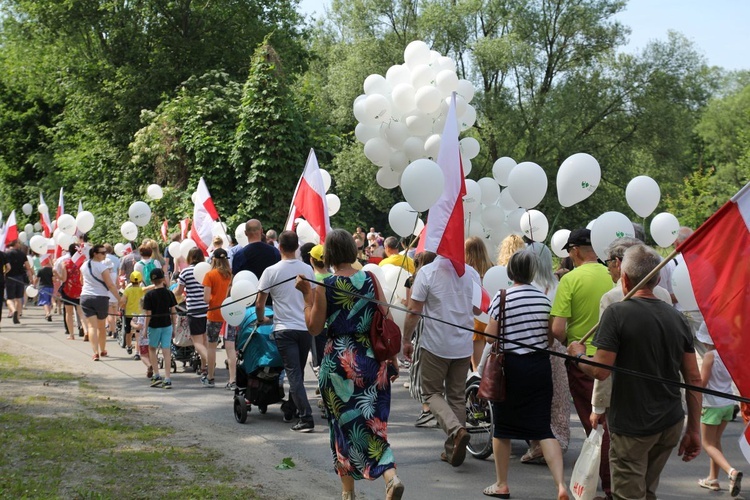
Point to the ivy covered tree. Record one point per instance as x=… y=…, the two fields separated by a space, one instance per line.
x=271 y=143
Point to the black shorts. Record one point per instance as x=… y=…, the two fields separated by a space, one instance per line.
x=14 y=287
x=69 y=301
x=95 y=306
x=197 y=326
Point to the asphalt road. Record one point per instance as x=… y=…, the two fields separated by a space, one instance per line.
x=265 y=439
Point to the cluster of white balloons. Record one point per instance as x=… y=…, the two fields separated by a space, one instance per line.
x=401 y=115
x=241 y=296
x=63 y=232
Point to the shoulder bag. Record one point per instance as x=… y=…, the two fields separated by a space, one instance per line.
x=385 y=335
x=492 y=385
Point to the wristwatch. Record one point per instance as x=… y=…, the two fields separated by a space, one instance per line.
x=578 y=358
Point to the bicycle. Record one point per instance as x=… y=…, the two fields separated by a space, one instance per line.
x=480 y=420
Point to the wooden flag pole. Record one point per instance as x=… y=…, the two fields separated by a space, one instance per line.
x=635 y=289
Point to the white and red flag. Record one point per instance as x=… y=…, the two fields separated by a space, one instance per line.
x=481 y=298
x=444 y=231
x=79 y=258
x=309 y=200
x=10 y=231
x=44 y=219
x=164 y=229
x=60 y=206
x=204 y=214
x=184 y=226
x=717 y=257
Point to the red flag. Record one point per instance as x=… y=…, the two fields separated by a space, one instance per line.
x=10 y=231
x=445 y=228
x=745 y=442
x=204 y=213
x=164 y=230
x=309 y=200
x=44 y=218
x=716 y=256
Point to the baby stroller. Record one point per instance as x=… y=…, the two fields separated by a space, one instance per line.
x=258 y=367
x=182 y=345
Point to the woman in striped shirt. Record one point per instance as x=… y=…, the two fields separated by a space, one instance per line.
x=525 y=413
x=196 y=306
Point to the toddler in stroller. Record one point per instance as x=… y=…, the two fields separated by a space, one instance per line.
x=258 y=367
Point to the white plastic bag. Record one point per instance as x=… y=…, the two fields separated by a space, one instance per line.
x=585 y=477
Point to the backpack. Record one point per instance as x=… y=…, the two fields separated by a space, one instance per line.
x=74 y=281
x=146 y=273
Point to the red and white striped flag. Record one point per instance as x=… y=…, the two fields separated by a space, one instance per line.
x=60 y=206
x=309 y=200
x=78 y=258
x=204 y=214
x=444 y=231
x=716 y=256
x=44 y=218
x=10 y=231
x=184 y=226
x=480 y=298
x=164 y=229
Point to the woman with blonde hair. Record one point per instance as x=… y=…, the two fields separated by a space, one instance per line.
x=508 y=247
x=155 y=252
x=478 y=257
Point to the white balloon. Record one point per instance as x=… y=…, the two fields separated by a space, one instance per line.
x=558 y=241
x=377 y=108
x=306 y=233
x=200 y=270
x=376 y=84
x=664 y=229
x=398 y=161
x=428 y=99
x=417 y=52
x=474 y=227
x=326 y=179
x=422 y=184
x=403 y=96
x=466 y=165
x=378 y=151
x=608 y=227
x=29 y=229
x=396 y=75
x=418 y=123
x=67 y=224
x=396 y=133
x=119 y=249
x=129 y=230
x=414 y=148
x=43 y=209
x=185 y=246
x=31 y=292
x=422 y=76
x=418 y=229
x=643 y=195
x=37 y=226
x=527 y=183
x=246 y=275
x=590 y=225
x=577 y=179
x=469 y=147
x=507 y=201
x=395 y=277
x=140 y=213
x=377 y=271
x=387 y=178
x=174 y=250
x=334 y=204
x=493 y=217
x=154 y=192
x=365 y=132
x=27 y=208
x=490 y=190
x=496 y=279
x=245 y=291
x=446 y=81
x=445 y=63
x=468 y=119
x=64 y=240
x=461 y=105
x=232 y=312
x=432 y=146
x=466 y=90
x=403 y=219
x=473 y=196
x=38 y=244
x=514 y=220
x=22 y=237
x=534 y=225
x=358 y=107
x=85 y=221
x=682 y=287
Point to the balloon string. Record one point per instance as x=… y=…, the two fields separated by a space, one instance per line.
x=554 y=223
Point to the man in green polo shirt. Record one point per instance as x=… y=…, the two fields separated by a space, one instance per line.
x=574 y=312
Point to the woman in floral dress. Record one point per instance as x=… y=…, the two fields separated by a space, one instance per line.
x=356 y=388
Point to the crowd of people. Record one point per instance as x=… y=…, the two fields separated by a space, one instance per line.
x=322 y=302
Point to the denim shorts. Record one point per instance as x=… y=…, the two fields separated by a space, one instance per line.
x=213 y=328
x=160 y=336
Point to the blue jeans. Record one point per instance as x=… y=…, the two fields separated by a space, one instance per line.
x=294 y=346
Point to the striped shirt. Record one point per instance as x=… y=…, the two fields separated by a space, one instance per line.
x=196 y=306
x=526 y=318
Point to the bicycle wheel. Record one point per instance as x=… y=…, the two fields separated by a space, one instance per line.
x=479 y=424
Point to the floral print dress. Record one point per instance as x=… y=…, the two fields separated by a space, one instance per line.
x=355 y=387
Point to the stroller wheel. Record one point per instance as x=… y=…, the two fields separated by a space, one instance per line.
x=240 y=409
x=262 y=409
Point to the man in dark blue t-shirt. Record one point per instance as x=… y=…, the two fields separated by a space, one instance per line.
x=256 y=256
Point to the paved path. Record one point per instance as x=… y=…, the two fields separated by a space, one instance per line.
x=260 y=444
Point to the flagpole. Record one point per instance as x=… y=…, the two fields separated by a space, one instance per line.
x=637 y=287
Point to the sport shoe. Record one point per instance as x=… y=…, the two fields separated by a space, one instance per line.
x=130 y=350
x=208 y=382
x=230 y=386
x=157 y=381
x=137 y=357
x=425 y=419
x=167 y=384
x=303 y=426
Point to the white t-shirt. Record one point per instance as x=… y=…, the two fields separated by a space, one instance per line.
x=448 y=297
x=91 y=285
x=288 y=303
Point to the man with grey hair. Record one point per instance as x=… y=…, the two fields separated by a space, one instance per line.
x=272 y=238
x=645 y=420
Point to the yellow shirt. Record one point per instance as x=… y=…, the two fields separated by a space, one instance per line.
x=398 y=260
x=133 y=294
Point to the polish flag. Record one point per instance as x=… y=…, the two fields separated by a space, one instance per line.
x=716 y=256
x=164 y=228
x=481 y=298
x=60 y=206
x=204 y=214
x=309 y=200
x=444 y=232
x=10 y=231
x=78 y=258
x=44 y=219
x=128 y=248
x=184 y=225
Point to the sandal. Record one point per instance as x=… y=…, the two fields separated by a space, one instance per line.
x=492 y=491
x=735 y=482
x=104 y=354
x=95 y=357
x=394 y=490
x=709 y=484
x=533 y=456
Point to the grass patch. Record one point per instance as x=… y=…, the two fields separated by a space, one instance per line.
x=60 y=442
x=11 y=368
